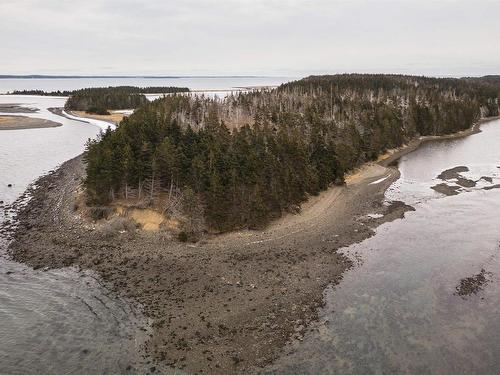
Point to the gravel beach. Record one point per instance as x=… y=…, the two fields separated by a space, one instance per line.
x=229 y=303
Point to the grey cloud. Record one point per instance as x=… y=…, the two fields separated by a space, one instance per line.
x=248 y=37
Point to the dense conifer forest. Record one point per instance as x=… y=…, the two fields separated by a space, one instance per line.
x=244 y=160
x=491 y=79
x=41 y=92
x=100 y=99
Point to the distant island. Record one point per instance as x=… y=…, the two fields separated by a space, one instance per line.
x=101 y=91
x=99 y=100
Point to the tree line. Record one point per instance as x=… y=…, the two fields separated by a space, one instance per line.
x=99 y=99
x=131 y=89
x=252 y=156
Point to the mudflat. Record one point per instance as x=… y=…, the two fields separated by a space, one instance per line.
x=16 y=108
x=229 y=303
x=23 y=122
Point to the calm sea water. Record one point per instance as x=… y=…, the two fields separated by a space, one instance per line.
x=397 y=311
x=62 y=321
x=193 y=83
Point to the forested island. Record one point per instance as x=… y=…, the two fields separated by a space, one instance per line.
x=251 y=157
x=184 y=167
x=99 y=100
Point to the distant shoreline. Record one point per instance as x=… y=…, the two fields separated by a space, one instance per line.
x=41 y=76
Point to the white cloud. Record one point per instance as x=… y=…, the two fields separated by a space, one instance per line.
x=248 y=37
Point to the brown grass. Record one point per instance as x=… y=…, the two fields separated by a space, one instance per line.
x=113 y=117
x=5 y=119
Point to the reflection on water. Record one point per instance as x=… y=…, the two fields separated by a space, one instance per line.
x=397 y=312
x=63 y=321
x=480 y=153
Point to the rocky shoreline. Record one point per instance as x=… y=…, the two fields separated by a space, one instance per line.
x=230 y=303
x=227 y=304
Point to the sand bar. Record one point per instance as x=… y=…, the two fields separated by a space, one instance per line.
x=23 y=122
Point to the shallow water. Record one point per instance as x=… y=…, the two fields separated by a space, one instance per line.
x=397 y=311
x=60 y=321
x=28 y=153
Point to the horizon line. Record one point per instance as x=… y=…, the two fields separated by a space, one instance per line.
x=57 y=76
x=35 y=76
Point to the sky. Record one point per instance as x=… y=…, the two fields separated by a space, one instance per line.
x=249 y=37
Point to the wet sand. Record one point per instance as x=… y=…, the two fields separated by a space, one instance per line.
x=23 y=122
x=229 y=303
x=113 y=119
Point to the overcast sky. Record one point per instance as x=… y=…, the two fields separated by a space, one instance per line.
x=249 y=37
